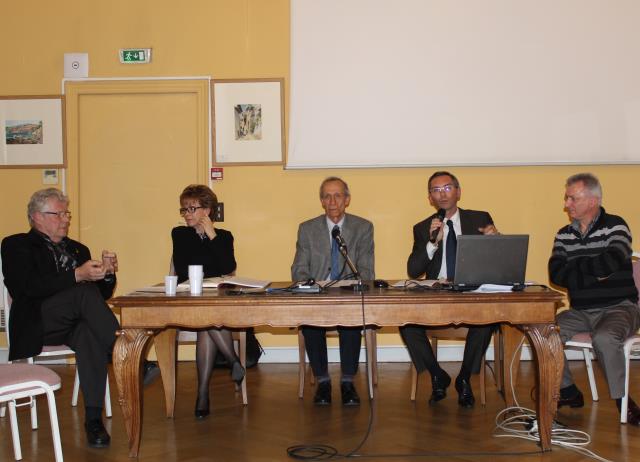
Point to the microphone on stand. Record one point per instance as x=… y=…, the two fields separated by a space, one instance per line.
x=342 y=246
x=335 y=233
x=440 y=216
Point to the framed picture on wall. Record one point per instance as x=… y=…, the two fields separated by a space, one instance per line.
x=32 y=132
x=248 y=121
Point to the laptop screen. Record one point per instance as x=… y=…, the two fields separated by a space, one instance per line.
x=491 y=259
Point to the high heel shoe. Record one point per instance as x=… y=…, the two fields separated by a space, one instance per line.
x=237 y=372
x=201 y=411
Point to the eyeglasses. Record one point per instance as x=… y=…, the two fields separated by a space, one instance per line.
x=192 y=209
x=61 y=215
x=439 y=189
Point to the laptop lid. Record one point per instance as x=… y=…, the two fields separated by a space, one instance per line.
x=491 y=259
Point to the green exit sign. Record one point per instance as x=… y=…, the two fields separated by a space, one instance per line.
x=135 y=55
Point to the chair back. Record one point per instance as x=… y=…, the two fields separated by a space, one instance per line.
x=6 y=309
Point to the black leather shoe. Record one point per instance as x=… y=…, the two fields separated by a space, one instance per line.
x=150 y=371
x=202 y=409
x=323 y=394
x=465 y=393
x=97 y=435
x=574 y=401
x=349 y=394
x=439 y=384
x=633 y=413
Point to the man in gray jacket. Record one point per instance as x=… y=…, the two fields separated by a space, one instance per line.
x=317 y=257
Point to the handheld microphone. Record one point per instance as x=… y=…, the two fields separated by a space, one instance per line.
x=440 y=216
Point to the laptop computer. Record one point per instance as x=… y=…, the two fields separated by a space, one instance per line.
x=491 y=259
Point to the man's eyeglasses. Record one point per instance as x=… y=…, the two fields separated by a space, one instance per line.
x=61 y=215
x=438 y=189
x=192 y=209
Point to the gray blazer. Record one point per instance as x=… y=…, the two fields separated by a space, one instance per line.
x=313 y=249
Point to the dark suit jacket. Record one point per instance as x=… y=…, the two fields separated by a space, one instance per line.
x=313 y=248
x=31 y=276
x=419 y=262
x=215 y=255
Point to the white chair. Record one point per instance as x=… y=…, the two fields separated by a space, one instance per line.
x=55 y=351
x=582 y=341
x=26 y=381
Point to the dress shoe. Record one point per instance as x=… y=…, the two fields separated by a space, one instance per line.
x=439 y=384
x=150 y=371
x=237 y=372
x=202 y=409
x=349 y=394
x=323 y=394
x=97 y=435
x=577 y=400
x=633 y=413
x=465 y=393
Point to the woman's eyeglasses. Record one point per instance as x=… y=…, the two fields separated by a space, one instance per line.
x=192 y=209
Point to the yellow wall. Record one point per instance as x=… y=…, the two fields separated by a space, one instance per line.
x=263 y=205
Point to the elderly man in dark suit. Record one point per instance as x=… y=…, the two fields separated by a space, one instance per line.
x=433 y=255
x=318 y=258
x=59 y=295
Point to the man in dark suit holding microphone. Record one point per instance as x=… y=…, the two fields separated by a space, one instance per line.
x=433 y=255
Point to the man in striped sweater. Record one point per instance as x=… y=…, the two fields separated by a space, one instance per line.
x=591 y=258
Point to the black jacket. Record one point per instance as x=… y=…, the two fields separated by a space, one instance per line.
x=31 y=276
x=215 y=255
x=419 y=263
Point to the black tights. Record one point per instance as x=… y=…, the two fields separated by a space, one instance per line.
x=207 y=346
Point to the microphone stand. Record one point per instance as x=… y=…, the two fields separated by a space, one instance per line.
x=359 y=286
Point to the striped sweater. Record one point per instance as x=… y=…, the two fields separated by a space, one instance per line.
x=595 y=268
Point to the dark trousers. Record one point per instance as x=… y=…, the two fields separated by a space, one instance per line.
x=478 y=339
x=79 y=318
x=315 y=340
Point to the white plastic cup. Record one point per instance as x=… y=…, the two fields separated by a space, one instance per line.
x=195 y=279
x=170 y=285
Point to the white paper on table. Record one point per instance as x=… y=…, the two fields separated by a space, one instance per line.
x=493 y=288
x=160 y=289
x=213 y=283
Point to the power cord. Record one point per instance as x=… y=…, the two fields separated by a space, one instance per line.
x=520 y=422
x=326 y=452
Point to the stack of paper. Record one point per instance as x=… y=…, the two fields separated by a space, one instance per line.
x=213 y=283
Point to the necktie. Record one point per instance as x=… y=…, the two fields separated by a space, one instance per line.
x=335 y=258
x=451 y=246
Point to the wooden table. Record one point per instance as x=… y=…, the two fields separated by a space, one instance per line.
x=144 y=315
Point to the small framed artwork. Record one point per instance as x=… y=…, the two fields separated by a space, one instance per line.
x=248 y=121
x=32 y=132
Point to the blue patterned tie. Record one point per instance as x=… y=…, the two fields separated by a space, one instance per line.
x=451 y=247
x=335 y=257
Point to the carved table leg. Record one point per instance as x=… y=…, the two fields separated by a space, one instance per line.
x=546 y=343
x=126 y=364
x=165 y=343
